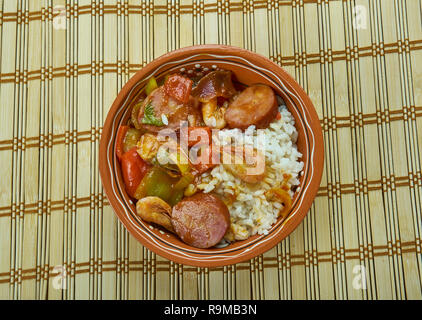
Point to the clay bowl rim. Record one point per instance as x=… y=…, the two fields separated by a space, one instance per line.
x=284 y=228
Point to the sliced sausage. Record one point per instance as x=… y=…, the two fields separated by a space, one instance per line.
x=201 y=220
x=256 y=105
x=173 y=110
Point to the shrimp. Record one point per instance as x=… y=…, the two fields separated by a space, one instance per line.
x=213 y=115
x=155 y=210
x=148 y=146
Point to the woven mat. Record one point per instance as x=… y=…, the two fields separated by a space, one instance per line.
x=62 y=65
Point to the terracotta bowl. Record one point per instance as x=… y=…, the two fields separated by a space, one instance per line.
x=249 y=68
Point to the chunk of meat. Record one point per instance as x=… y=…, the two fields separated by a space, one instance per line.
x=159 y=103
x=215 y=84
x=256 y=105
x=246 y=163
x=201 y=220
x=178 y=87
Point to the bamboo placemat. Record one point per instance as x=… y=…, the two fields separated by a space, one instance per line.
x=62 y=64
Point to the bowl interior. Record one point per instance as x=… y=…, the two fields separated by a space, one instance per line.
x=244 y=76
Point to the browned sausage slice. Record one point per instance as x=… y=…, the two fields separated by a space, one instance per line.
x=256 y=105
x=162 y=104
x=201 y=220
x=214 y=84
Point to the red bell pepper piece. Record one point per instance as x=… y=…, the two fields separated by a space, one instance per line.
x=134 y=169
x=121 y=134
x=178 y=87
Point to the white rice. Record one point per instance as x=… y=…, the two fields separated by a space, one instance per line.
x=164 y=119
x=251 y=213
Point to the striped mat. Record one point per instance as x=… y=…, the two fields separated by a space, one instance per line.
x=62 y=64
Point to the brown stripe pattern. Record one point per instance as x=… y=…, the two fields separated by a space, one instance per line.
x=62 y=64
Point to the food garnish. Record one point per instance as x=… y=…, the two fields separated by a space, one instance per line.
x=150 y=118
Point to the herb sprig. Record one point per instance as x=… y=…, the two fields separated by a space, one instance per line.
x=150 y=118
